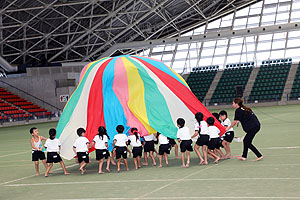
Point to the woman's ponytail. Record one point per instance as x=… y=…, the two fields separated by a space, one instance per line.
x=239 y=101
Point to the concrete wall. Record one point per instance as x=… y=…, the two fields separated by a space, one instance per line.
x=40 y=83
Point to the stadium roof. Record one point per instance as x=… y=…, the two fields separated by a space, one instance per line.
x=81 y=30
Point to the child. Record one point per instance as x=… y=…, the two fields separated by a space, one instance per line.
x=214 y=138
x=137 y=148
x=186 y=144
x=37 y=147
x=101 y=144
x=164 y=148
x=229 y=135
x=53 y=147
x=80 y=147
x=173 y=143
x=201 y=129
x=217 y=116
x=120 y=140
x=149 y=147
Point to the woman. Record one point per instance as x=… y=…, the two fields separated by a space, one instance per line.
x=250 y=125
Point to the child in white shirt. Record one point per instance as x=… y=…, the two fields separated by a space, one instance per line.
x=120 y=140
x=186 y=143
x=53 y=147
x=137 y=149
x=101 y=144
x=201 y=130
x=229 y=135
x=164 y=148
x=214 y=138
x=80 y=147
x=149 y=147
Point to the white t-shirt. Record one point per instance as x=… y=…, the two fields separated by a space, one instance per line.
x=121 y=140
x=80 y=144
x=135 y=142
x=184 y=133
x=163 y=139
x=52 y=145
x=203 y=126
x=213 y=132
x=100 y=143
x=227 y=123
x=150 y=138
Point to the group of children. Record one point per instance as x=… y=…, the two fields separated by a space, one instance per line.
x=208 y=137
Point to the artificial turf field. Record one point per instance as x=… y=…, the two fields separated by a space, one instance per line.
x=277 y=176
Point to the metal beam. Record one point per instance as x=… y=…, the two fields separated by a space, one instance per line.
x=205 y=37
x=5 y=65
x=129 y=27
x=27 y=22
x=4 y=9
x=49 y=34
x=112 y=14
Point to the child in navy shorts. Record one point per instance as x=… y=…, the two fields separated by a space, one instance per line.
x=164 y=148
x=53 y=147
x=137 y=149
x=149 y=148
x=120 y=141
x=37 y=149
x=80 y=147
x=201 y=130
x=229 y=135
x=184 y=138
x=101 y=144
x=214 y=138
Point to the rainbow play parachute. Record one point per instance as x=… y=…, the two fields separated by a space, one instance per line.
x=130 y=90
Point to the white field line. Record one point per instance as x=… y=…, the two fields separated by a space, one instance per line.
x=157 y=180
x=164 y=186
x=7 y=155
x=17 y=165
x=19 y=179
x=15 y=161
x=199 y=197
x=274 y=148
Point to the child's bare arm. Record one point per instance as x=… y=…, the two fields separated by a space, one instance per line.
x=88 y=145
x=195 y=134
x=106 y=144
x=114 y=143
x=74 y=149
x=235 y=122
x=43 y=138
x=32 y=145
x=92 y=144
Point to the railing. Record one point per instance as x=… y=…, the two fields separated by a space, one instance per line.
x=27 y=117
x=32 y=96
x=252 y=99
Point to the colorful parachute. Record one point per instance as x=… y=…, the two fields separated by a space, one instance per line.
x=130 y=90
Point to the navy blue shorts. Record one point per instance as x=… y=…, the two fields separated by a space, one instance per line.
x=38 y=155
x=121 y=151
x=186 y=145
x=229 y=136
x=202 y=140
x=164 y=148
x=137 y=151
x=53 y=157
x=101 y=153
x=149 y=146
x=83 y=156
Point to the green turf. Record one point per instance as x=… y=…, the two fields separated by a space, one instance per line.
x=276 y=176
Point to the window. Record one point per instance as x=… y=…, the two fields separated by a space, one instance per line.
x=278 y=44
